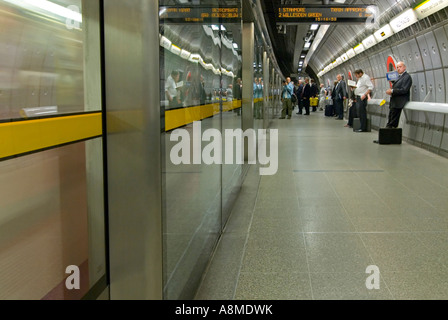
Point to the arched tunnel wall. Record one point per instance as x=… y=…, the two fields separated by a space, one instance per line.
x=423 y=48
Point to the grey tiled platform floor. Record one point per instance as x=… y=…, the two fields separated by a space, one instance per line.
x=338 y=204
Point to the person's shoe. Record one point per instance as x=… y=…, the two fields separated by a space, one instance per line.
x=298 y=113
x=359 y=130
x=347 y=126
x=289 y=117
x=307 y=114
x=339 y=119
x=376 y=141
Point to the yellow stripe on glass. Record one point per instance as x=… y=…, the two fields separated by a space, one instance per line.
x=22 y=137
x=183 y=116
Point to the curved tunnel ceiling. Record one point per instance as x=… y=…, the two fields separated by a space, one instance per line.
x=336 y=41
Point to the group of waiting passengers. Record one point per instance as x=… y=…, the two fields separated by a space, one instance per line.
x=305 y=94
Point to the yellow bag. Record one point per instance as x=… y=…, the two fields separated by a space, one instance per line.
x=314 y=102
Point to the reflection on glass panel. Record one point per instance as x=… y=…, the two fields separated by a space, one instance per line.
x=200 y=67
x=43 y=224
x=231 y=117
x=41 y=58
x=258 y=81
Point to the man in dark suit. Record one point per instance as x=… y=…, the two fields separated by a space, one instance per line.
x=306 y=95
x=340 y=96
x=298 y=93
x=400 y=95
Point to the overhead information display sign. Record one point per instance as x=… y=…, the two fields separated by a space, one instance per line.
x=179 y=14
x=327 y=14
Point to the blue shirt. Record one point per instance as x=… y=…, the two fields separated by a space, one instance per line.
x=288 y=90
x=255 y=90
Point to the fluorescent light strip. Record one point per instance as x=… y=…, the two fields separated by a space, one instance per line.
x=195 y=58
x=396 y=24
x=48 y=7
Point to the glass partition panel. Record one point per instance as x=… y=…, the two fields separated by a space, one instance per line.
x=199 y=67
x=231 y=60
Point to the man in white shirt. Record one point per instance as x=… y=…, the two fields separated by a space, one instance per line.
x=363 y=89
x=171 y=89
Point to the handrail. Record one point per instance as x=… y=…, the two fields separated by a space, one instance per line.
x=422 y=106
x=427 y=106
x=376 y=102
x=38 y=111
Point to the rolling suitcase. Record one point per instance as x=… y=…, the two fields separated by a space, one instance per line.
x=390 y=135
x=329 y=110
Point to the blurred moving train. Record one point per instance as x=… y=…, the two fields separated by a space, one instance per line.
x=41 y=60
x=46 y=201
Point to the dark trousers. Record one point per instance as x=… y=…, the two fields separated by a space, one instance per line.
x=352 y=114
x=300 y=103
x=394 y=118
x=287 y=108
x=306 y=105
x=340 y=108
x=361 y=109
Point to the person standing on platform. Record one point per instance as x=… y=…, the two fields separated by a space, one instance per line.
x=332 y=106
x=260 y=98
x=202 y=93
x=171 y=91
x=322 y=97
x=256 y=104
x=296 y=86
x=306 y=95
x=287 y=91
x=340 y=96
x=364 y=87
x=314 y=92
x=400 y=95
x=299 y=92
x=352 y=114
x=237 y=94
